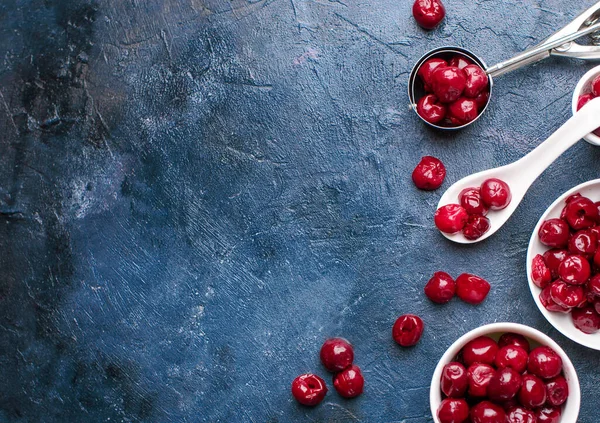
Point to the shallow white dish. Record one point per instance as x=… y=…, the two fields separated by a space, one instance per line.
x=583 y=86
x=561 y=321
x=536 y=338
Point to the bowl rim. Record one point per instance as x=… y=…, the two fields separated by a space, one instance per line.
x=571 y=406
x=578 y=337
x=591 y=138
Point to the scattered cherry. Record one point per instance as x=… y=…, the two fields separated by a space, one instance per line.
x=454 y=381
x=336 y=354
x=440 y=288
x=554 y=233
x=453 y=410
x=309 y=389
x=407 y=330
x=544 y=362
x=428 y=13
x=429 y=173
x=349 y=382
x=450 y=218
x=533 y=392
x=557 y=391
x=471 y=288
x=479 y=376
x=487 y=412
x=514 y=339
x=480 y=350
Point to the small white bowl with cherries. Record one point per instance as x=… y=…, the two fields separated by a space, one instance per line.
x=505 y=373
x=587 y=89
x=563 y=264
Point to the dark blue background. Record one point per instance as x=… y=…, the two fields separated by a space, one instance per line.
x=194 y=194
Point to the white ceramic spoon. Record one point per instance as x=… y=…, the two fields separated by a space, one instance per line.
x=522 y=173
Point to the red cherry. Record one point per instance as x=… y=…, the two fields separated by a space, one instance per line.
x=581 y=213
x=477 y=81
x=553 y=259
x=476 y=227
x=557 y=391
x=597 y=305
x=479 y=376
x=470 y=200
x=596 y=86
x=480 y=350
x=548 y=415
x=487 y=412
x=520 y=415
x=554 y=233
x=309 y=389
x=597 y=258
x=453 y=411
x=430 y=109
x=583 y=100
x=565 y=295
x=584 y=243
x=407 y=330
x=514 y=339
x=336 y=354
x=533 y=392
x=427 y=68
x=471 y=288
x=504 y=385
x=349 y=382
x=428 y=13
x=440 y=288
x=575 y=270
x=540 y=273
x=549 y=303
x=512 y=356
x=586 y=319
x=448 y=83
x=429 y=173
x=495 y=193
x=454 y=381
x=459 y=61
x=594 y=285
x=450 y=218
x=462 y=111
x=482 y=99
x=544 y=362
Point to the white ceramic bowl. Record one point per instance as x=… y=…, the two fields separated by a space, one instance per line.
x=561 y=321
x=536 y=338
x=584 y=87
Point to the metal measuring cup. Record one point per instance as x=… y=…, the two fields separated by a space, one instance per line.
x=561 y=43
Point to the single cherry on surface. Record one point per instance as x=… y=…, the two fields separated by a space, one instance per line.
x=336 y=354
x=407 y=330
x=441 y=288
x=430 y=109
x=427 y=68
x=454 y=380
x=504 y=385
x=450 y=218
x=482 y=349
x=462 y=111
x=520 y=415
x=540 y=273
x=557 y=391
x=487 y=412
x=533 y=391
x=476 y=227
x=581 y=213
x=448 y=83
x=544 y=362
x=309 y=389
x=429 y=173
x=349 y=382
x=428 y=13
x=586 y=319
x=470 y=200
x=554 y=233
x=495 y=193
x=479 y=376
x=554 y=258
x=548 y=415
x=477 y=80
x=512 y=356
x=471 y=288
x=452 y=410
x=575 y=270
x=514 y=339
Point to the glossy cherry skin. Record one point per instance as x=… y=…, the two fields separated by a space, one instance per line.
x=520 y=415
x=459 y=61
x=512 y=356
x=549 y=303
x=583 y=243
x=557 y=391
x=429 y=173
x=554 y=258
x=477 y=81
x=427 y=68
x=540 y=273
x=476 y=227
x=504 y=385
x=575 y=270
x=544 y=362
x=594 y=285
x=495 y=193
x=454 y=380
x=309 y=389
x=470 y=200
x=554 y=233
x=581 y=213
x=441 y=288
x=450 y=218
x=407 y=330
x=565 y=295
x=482 y=99
x=349 y=382
x=597 y=305
x=586 y=319
x=514 y=339
x=533 y=391
x=462 y=111
x=430 y=109
x=548 y=415
x=428 y=13
x=336 y=354
x=597 y=258
x=487 y=412
x=480 y=350
x=471 y=288
x=583 y=100
x=448 y=83
x=453 y=410
x=596 y=86
x=479 y=376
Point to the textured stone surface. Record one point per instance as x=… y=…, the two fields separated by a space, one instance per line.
x=195 y=193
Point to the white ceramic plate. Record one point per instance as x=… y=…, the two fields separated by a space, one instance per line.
x=561 y=321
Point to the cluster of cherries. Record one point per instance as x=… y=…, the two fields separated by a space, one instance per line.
x=470 y=215
x=457 y=89
x=337 y=355
x=503 y=382
x=569 y=272
x=585 y=98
